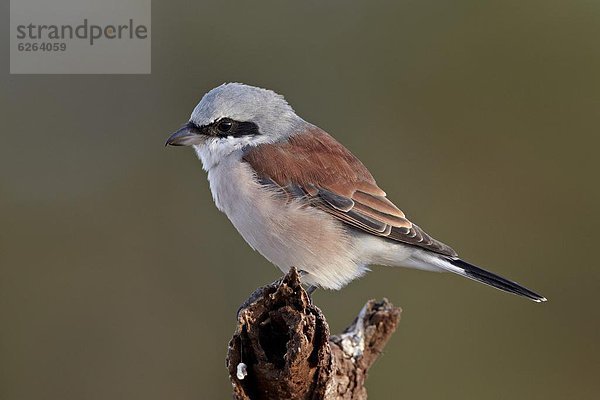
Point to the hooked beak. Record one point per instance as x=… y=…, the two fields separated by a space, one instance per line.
x=187 y=135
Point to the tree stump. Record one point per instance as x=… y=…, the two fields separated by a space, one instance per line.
x=282 y=348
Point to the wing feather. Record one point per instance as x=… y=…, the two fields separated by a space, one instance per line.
x=317 y=167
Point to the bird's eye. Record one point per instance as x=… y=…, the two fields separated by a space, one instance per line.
x=224 y=126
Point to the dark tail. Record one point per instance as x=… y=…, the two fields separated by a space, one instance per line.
x=481 y=275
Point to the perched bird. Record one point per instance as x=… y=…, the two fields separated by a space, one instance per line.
x=303 y=200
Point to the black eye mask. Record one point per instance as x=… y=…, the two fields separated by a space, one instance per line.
x=225 y=127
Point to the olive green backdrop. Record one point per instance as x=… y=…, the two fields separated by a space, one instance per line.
x=119 y=279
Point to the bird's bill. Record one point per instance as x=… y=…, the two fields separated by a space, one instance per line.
x=187 y=135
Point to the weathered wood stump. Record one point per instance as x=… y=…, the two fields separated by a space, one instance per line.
x=282 y=348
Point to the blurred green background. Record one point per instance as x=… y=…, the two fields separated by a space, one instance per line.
x=119 y=279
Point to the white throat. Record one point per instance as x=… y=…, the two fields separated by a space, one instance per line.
x=213 y=152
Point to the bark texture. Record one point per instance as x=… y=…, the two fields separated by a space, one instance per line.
x=282 y=348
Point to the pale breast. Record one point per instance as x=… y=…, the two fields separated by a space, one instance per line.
x=286 y=232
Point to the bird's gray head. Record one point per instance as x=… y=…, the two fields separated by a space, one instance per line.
x=232 y=117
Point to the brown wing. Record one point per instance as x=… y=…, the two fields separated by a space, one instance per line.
x=314 y=165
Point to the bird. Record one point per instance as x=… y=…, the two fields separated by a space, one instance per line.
x=301 y=199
